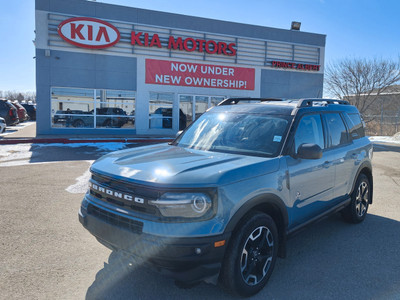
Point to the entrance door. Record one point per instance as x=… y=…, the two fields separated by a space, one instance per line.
x=185 y=110
x=192 y=107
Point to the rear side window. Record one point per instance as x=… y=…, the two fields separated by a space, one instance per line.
x=309 y=131
x=355 y=124
x=337 y=130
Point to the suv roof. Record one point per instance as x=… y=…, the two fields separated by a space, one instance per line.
x=287 y=106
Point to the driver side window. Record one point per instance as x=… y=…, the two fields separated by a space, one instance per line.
x=309 y=131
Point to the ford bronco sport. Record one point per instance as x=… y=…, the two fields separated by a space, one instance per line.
x=219 y=202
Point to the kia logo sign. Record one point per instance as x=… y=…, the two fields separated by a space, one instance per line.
x=88 y=33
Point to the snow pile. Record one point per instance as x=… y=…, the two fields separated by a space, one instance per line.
x=386 y=139
x=11 y=155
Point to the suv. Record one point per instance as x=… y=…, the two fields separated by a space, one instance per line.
x=8 y=112
x=220 y=201
x=31 y=110
x=21 y=111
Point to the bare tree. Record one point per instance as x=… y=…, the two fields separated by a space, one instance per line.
x=20 y=96
x=361 y=81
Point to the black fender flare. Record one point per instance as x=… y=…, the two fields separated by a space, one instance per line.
x=366 y=168
x=267 y=203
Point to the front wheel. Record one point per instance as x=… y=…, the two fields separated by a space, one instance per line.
x=78 y=123
x=356 y=211
x=251 y=255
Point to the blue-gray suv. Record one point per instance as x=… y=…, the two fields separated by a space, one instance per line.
x=218 y=203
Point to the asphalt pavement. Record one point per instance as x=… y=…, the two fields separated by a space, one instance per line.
x=45 y=253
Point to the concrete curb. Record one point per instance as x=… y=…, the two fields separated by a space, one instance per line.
x=75 y=141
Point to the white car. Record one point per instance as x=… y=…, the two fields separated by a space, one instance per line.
x=2 y=125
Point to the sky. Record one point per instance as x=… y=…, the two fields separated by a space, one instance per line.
x=354 y=28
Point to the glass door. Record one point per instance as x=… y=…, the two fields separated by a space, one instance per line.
x=201 y=105
x=192 y=107
x=185 y=111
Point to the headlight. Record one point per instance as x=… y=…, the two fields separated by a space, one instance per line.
x=186 y=205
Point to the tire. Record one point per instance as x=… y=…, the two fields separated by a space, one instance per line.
x=356 y=211
x=250 y=259
x=78 y=123
x=107 y=123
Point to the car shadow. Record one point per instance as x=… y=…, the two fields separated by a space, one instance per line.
x=70 y=152
x=330 y=260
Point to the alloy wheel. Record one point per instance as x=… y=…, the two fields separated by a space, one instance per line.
x=362 y=199
x=257 y=255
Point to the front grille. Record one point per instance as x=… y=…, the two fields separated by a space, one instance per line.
x=145 y=193
x=114 y=219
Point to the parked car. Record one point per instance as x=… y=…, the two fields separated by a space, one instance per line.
x=22 y=114
x=8 y=112
x=31 y=110
x=3 y=125
x=105 y=117
x=219 y=202
x=64 y=116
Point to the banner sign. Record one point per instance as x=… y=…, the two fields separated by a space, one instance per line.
x=199 y=75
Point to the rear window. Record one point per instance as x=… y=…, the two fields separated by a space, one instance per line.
x=356 y=125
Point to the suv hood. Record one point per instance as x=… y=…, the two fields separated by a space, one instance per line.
x=181 y=167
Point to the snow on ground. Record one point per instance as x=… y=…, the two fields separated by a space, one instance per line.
x=386 y=139
x=21 y=154
x=15 y=153
x=81 y=185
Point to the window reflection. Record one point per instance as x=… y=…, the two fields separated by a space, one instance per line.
x=160 y=110
x=89 y=108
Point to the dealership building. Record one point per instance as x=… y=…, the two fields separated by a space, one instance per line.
x=108 y=69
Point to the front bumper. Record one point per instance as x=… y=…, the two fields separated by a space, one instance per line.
x=186 y=259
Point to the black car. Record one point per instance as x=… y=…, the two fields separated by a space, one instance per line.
x=8 y=112
x=112 y=117
x=31 y=110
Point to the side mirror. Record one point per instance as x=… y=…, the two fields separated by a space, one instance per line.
x=309 y=151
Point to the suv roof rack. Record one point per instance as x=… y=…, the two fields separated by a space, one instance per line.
x=309 y=102
x=230 y=101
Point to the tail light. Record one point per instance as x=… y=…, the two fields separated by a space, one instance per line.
x=10 y=112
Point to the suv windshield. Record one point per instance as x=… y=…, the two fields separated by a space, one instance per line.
x=240 y=133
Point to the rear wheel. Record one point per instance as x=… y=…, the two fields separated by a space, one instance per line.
x=251 y=255
x=356 y=211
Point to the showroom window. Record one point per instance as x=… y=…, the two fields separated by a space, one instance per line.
x=92 y=108
x=160 y=110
